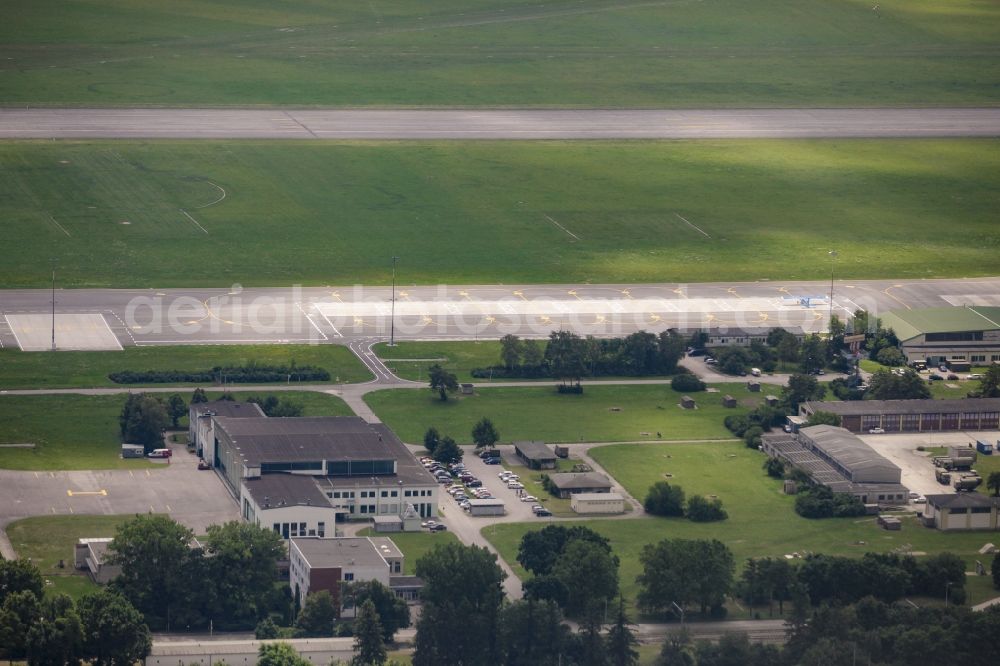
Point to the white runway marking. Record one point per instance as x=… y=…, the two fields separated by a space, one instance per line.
x=695 y=227
x=193 y=220
x=219 y=200
x=562 y=227
x=61 y=227
x=33 y=332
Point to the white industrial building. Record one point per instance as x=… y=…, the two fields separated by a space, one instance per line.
x=609 y=503
x=962 y=511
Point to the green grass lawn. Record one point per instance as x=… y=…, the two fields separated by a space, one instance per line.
x=500 y=53
x=410 y=360
x=762 y=521
x=322 y=213
x=48 y=539
x=86 y=434
x=414 y=545
x=541 y=413
x=91 y=368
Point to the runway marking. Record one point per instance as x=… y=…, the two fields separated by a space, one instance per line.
x=896 y=298
x=680 y=292
x=147 y=473
x=102 y=492
x=217 y=200
x=549 y=218
x=404 y=294
x=520 y=294
x=309 y=319
x=112 y=333
x=695 y=227
x=329 y=323
x=464 y=294
x=61 y=227
x=572 y=292
x=336 y=294
x=185 y=213
x=168 y=507
x=627 y=293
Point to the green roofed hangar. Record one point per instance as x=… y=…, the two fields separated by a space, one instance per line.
x=962 y=336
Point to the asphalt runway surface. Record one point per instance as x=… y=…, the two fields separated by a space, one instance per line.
x=350 y=315
x=495 y=124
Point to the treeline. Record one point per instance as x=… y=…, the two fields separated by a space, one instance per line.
x=568 y=356
x=50 y=629
x=821 y=502
x=240 y=374
x=663 y=499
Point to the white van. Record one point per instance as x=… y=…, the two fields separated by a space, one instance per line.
x=755 y=372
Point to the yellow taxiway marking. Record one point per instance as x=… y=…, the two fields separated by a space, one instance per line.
x=732 y=290
x=627 y=293
x=71 y=510
x=168 y=508
x=36 y=475
x=817 y=315
x=427 y=320
x=151 y=509
x=52 y=509
x=404 y=294
x=464 y=294
x=520 y=294
x=545 y=319
x=572 y=292
x=763 y=316
x=131 y=474
x=491 y=319
x=679 y=292
x=147 y=473
x=102 y=492
x=654 y=317
x=896 y=298
x=783 y=290
x=336 y=294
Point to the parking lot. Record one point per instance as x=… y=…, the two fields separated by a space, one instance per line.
x=917 y=468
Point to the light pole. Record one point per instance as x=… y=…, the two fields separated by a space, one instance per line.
x=392 y=315
x=833 y=263
x=53 y=305
x=947 y=588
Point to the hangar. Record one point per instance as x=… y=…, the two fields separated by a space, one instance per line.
x=911 y=415
x=968 y=335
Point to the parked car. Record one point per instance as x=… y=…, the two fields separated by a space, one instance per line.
x=935 y=377
x=161 y=453
x=491 y=461
x=975 y=375
x=439 y=527
x=529 y=498
x=952 y=377
x=710 y=361
x=877 y=431
x=943 y=368
x=543 y=512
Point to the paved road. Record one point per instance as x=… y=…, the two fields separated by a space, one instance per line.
x=357 y=315
x=495 y=124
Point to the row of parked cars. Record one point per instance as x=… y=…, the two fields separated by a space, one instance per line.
x=461 y=484
x=513 y=481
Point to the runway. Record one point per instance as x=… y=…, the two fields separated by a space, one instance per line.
x=371 y=124
x=347 y=315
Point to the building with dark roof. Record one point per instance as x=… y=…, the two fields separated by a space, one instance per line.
x=726 y=336
x=571 y=483
x=965 y=334
x=962 y=511
x=911 y=415
x=201 y=423
x=835 y=458
x=300 y=475
x=536 y=455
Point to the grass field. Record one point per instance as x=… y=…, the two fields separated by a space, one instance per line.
x=541 y=413
x=676 y=53
x=762 y=521
x=86 y=435
x=333 y=213
x=410 y=360
x=87 y=369
x=48 y=539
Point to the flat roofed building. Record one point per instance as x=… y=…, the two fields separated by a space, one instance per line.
x=967 y=334
x=911 y=415
x=290 y=504
x=597 y=503
x=536 y=455
x=742 y=337
x=570 y=483
x=90 y=555
x=201 y=422
x=835 y=458
x=962 y=511
x=323 y=564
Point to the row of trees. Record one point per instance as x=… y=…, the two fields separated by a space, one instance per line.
x=812 y=353
x=52 y=630
x=663 y=499
x=569 y=357
x=249 y=373
x=145 y=416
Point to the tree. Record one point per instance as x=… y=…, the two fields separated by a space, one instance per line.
x=199 y=396
x=890 y=356
x=812 y=354
x=277 y=407
x=392 y=611
x=752 y=436
x=19 y=576
x=462 y=595
x=683 y=572
x=687 y=383
x=20 y=612
x=242 y=564
x=774 y=468
x=56 y=637
x=801 y=388
x=114 y=633
x=143 y=420
x=279 y=654
x=317 y=615
x=368 y=637
x=824 y=418
x=442 y=381
x=701 y=510
x=176 y=408
x=621 y=640
x=993 y=483
x=531 y=632
x=431 y=439
x=995 y=570
x=564 y=353
x=156 y=567
x=677 y=650
x=989 y=387
x=447 y=451
x=265 y=629
x=510 y=351
x=886 y=385
x=590 y=574
x=733 y=360
x=664 y=500
x=532 y=354
x=539 y=549
x=485 y=434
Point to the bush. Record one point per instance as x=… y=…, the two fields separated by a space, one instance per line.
x=821 y=502
x=243 y=374
x=737 y=424
x=752 y=436
x=687 y=384
x=570 y=388
x=890 y=356
x=701 y=510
